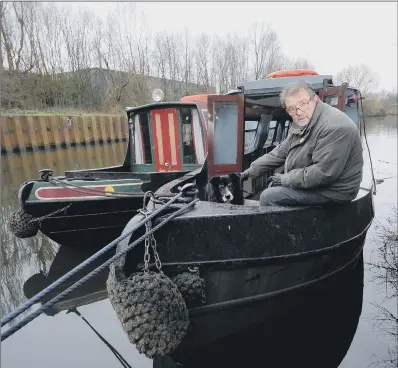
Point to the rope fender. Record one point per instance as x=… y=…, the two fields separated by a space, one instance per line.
x=148 y=304
x=151 y=310
x=191 y=287
x=22 y=224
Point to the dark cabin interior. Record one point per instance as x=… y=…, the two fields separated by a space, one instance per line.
x=266 y=125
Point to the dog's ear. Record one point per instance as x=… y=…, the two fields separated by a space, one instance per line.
x=214 y=180
x=235 y=177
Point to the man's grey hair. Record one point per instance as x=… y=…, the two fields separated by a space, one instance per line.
x=295 y=88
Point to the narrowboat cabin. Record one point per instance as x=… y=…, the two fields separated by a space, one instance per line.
x=256 y=263
x=91 y=207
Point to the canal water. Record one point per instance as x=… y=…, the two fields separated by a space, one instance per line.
x=65 y=340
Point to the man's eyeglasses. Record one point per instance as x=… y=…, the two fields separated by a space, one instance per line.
x=302 y=105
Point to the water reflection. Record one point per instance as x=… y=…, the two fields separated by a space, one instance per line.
x=19 y=259
x=383 y=265
x=16 y=168
x=374 y=345
x=23 y=257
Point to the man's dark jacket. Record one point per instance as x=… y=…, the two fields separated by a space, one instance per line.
x=326 y=156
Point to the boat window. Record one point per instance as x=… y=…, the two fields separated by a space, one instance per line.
x=250 y=134
x=352 y=107
x=198 y=135
x=332 y=100
x=145 y=138
x=271 y=133
x=138 y=146
x=206 y=115
x=225 y=133
x=187 y=136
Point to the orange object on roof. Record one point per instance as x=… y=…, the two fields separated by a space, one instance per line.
x=291 y=73
x=193 y=98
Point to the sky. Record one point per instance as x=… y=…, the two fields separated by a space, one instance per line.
x=331 y=35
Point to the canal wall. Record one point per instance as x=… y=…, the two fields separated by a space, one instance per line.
x=33 y=133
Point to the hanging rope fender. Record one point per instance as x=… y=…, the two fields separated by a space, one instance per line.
x=148 y=304
x=88 y=261
x=93 y=273
x=23 y=225
x=151 y=307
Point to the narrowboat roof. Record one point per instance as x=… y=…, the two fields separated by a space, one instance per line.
x=159 y=104
x=277 y=84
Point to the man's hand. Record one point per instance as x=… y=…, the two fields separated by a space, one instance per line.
x=274 y=181
x=243 y=177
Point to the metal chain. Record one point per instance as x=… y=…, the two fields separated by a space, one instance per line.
x=50 y=214
x=155 y=253
x=147 y=256
x=150 y=241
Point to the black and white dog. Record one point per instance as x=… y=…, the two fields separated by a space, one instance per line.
x=225 y=189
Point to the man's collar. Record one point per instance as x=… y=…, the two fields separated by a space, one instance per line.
x=319 y=107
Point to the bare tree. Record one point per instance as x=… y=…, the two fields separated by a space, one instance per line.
x=202 y=61
x=264 y=42
x=298 y=63
x=359 y=76
x=72 y=58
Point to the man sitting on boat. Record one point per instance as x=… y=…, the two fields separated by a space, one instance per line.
x=322 y=155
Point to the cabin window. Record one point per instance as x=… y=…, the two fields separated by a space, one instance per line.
x=271 y=133
x=225 y=133
x=250 y=134
x=352 y=108
x=206 y=115
x=138 y=148
x=143 y=151
x=187 y=136
x=332 y=100
x=198 y=137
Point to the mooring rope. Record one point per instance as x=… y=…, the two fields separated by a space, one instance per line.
x=366 y=140
x=118 y=356
x=88 y=261
x=93 y=273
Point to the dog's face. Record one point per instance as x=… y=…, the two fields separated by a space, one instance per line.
x=226 y=186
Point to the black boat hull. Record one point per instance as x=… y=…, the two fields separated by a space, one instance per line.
x=91 y=224
x=253 y=281
x=287 y=291
x=311 y=327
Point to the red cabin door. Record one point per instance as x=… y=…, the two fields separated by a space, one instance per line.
x=225 y=135
x=166 y=140
x=334 y=96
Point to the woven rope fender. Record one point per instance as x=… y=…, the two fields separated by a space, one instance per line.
x=192 y=288
x=22 y=225
x=149 y=306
